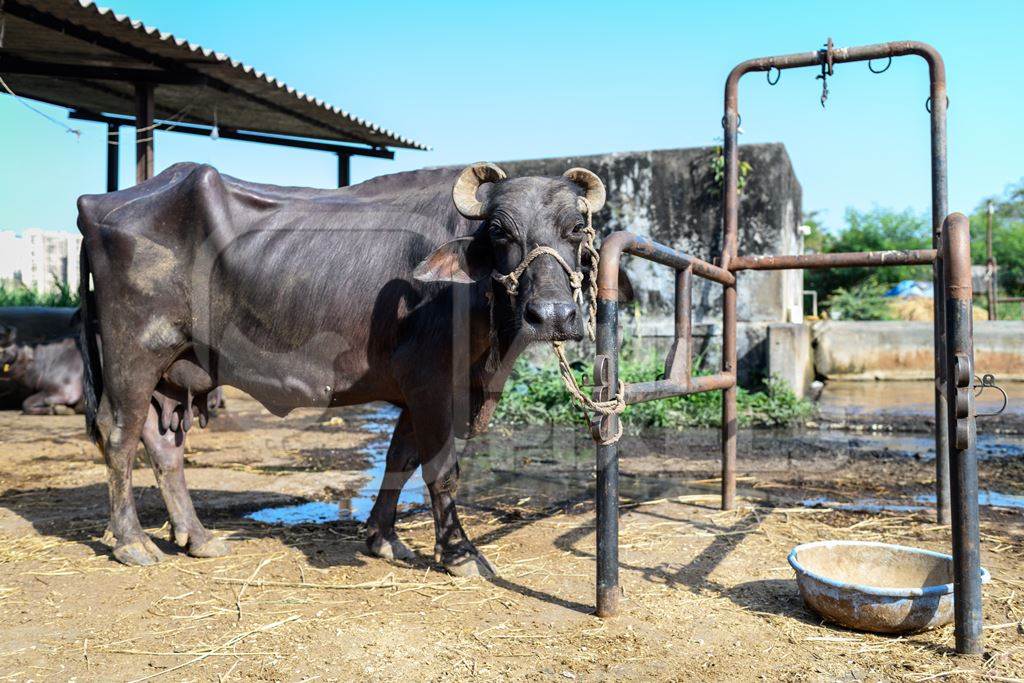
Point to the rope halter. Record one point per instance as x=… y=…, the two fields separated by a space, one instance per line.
x=510 y=282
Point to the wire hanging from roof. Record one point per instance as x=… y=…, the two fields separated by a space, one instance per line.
x=74 y=131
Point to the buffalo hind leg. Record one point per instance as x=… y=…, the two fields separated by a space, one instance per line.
x=120 y=430
x=167 y=457
x=402 y=460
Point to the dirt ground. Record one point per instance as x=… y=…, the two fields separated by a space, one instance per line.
x=708 y=595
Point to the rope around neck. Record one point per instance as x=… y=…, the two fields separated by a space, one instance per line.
x=510 y=282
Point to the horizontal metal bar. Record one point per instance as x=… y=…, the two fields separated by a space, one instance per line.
x=840 y=55
x=11 y=64
x=639 y=392
x=232 y=134
x=870 y=259
x=618 y=242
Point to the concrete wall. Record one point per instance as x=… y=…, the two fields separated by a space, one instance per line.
x=789 y=355
x=899 y=350
x=672 y=197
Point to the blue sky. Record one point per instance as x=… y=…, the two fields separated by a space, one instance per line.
x=485 y=80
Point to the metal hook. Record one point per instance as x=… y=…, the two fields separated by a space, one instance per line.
x=768 y=74
x=928 y=104
x=879 y=71
x=739 y=121
x=988 y=381
x=826 y=69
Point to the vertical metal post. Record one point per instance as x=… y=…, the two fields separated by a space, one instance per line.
x=730 y=216
x=606 y=370
x=679 y=362
x=344 y=169
x=144 y=131
x=113 y=149
x=938 y=104
x=956 y=257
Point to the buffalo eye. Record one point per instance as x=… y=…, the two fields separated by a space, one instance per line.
x=576 y=232
x=500 y=232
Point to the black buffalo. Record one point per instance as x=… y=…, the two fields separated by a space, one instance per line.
x=300 y=297
x=40 y=366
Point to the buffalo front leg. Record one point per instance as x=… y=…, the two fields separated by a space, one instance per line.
x=402 y=460
x=452 y=547
x=167 y=456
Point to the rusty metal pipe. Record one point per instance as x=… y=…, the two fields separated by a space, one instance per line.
x=679 y=363
x=618 y=242
x=640 y=392
x=869 y=259
x=729 y=398
x=956 y=244
x=607 y=494
x=730 y=211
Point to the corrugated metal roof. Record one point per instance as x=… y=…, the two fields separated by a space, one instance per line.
x=80 y=33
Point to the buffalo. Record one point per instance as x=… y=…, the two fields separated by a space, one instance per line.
x=390 y=290
x=40 y=365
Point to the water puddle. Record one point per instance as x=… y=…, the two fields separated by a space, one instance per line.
x=922 y=503
x=380 y=422
x=543 y=468
x=918 y=446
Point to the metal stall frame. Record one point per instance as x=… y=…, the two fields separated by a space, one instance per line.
x=950 y=259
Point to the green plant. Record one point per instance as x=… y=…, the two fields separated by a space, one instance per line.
x=718 y=171
x=63 y=296
x=862 y=302
x=535 y=395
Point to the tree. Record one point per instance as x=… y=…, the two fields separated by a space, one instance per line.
x=875 y=230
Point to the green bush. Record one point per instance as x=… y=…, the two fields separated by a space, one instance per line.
x=23 y=296
x=862 y=302
x=535 y=395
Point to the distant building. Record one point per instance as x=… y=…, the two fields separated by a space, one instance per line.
x=39 y=259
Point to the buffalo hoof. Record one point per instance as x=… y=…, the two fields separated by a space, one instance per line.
x=211 y=547
x=389 y=548
x=468 y=562
x=139 y=553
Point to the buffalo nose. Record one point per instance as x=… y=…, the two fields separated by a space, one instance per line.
x=557 y=315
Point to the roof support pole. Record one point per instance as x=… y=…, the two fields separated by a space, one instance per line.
x=344 y=169
x=143 y=131
x=113 y=148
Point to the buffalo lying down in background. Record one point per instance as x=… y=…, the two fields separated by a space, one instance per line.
x=300 y=297
x=40 y=365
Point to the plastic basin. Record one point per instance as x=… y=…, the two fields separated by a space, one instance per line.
x=876 y=587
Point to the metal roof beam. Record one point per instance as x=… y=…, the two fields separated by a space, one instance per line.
x=231 y=134
x=12 y=64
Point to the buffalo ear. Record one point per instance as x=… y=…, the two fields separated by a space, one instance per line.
x=463 y=260
x=626 y=293
x=7 y=335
